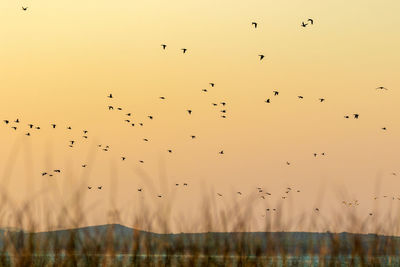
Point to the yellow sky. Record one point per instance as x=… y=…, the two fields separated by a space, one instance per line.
x=60 y=59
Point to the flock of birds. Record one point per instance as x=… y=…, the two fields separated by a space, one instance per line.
x=128 y=118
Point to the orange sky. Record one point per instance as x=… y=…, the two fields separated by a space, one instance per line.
x=60 y=59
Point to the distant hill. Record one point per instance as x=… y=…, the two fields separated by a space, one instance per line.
x=121 y=239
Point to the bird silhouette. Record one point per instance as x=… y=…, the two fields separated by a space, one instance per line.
x=255 y=24
x=141 y=161
x=219 y=194
x=214 y=104
x=261 y=57
x=14 y=127
x=346 y=117
x=212 y=84
x=356 y=116
x=304 y=24
x=119 y=108
x=162 y=97
x=184 y=50
x=193 y=136
x=28 y=134
x=176 y=184
x=84 y=166
x=204 y=90
x=16 y=121
x=164 y=46
x=69 y=128
x=317 y=209
x=89 y=187
x=6 y=121
x=44 y=173
x=268 y=101
x=72 y=142
x=140 y=189
x=110 y=96
x=185 y=184
x=321 y=100
x=169 y=151
x=85 y=131
x=223 y=103
x=123 y=158
x=24 y=8
x=287 y=163
x=189 y=111
x=110 y=107
x=145 y=139
x=275 y=92
x=315 y=154
x=381 y=88
x=384 y=128
x=99 y=187
x=221 y=152
x=57 y=171
x=160 y=196
x=150 y=117
x=53 y=125
x=30 y=126
x=311 y=21
x=239 y=193
x=301 y=97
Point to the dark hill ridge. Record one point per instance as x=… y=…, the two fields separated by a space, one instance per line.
x=122 y=239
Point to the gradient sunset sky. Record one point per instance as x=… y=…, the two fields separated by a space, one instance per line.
x=60 y=60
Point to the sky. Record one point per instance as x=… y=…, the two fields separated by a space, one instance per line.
x=60 y=60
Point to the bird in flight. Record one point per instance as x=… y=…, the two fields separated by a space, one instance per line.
x=145 y=139
x=223 y=103
x=169 y=151
x=311 y=21
x=24 y=8
x=221 y=152
x=189 y=111
x=15 y=128
x=184 y=50
x=89 y=187
x=57 y=171
x=164 y=46
x=53 y=125
x=84 y=166
x=110 y=107
x=219 y=194
x=304 y=24
x=384 y=128
x=261 y=57
x=162 y=97
x=381 y=88
x=321 y=100
x=150 y=117
x=30 y=126
x=44 y=173
x=239 y=193
x=28 y=134
x=139 y=190
x=212 y=84
x=193 y=136
x=204 y=90
x=346 y=117
x=6 y=121
x=276 y=92
x=300 y=97
x=17 y=121
x=110 y=96
x=185 y=184
x=287 y=163
x=100 y=187
x=255 y=24
x=123 y=158
x=356 y=116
